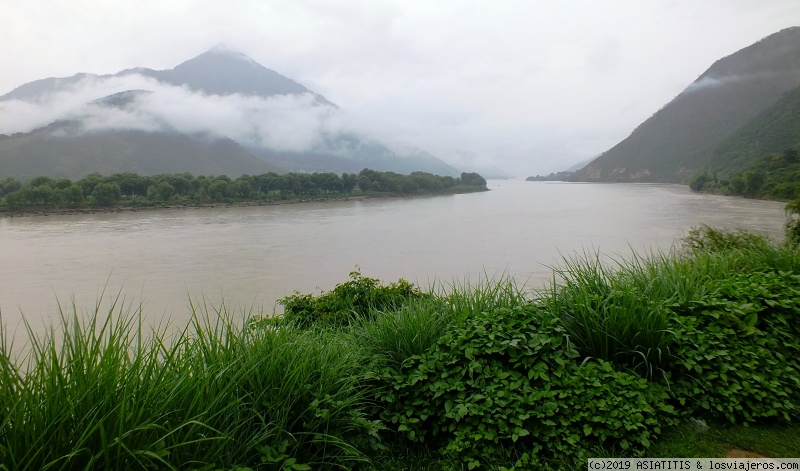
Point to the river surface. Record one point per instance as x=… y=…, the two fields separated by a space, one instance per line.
x=251 y=256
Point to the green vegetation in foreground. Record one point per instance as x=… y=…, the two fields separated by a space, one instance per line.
x=615 y=359
x=137 y=191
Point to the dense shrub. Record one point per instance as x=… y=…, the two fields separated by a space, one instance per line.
x=709 y=239
x=737 y=354
x=505 y=385
x=357 y=299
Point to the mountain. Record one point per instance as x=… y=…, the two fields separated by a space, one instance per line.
x=57 y=150
x=218 y=113
x=774 y=131
x=681 y=138
x=218 y=71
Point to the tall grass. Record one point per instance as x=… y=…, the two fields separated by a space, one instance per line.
x=395 y=336
x=100 y=394
x=606 y=315
x=467 y=298
x=620 y=311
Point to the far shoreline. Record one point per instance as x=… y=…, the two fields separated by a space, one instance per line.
x=237 y=204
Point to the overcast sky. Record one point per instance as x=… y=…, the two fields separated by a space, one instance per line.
x=530 y=86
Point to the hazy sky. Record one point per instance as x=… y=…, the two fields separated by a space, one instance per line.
x=530 y=86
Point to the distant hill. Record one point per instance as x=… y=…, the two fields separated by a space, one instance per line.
x=684 y=136
x=218 y=113
x=53 y=151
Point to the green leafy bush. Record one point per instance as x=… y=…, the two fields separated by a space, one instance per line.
x=737 y=354
x=356 y=299
x=709 y=239
x=505 y=385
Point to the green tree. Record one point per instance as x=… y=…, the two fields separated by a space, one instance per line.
x=9 y=185
x=737 y=185
x=40 y=194
x=753 y=181
x=364 y=183
x=62 y=183
x=106 y=193
x=39 y=181
x=161 y=191
x=472 y=179
x=89 y=182
x=244 y=187
x=220 y=189
x=73 y=195
x=699 y=181
x=349 y=181
x=133 y=185
x=17 y=199
x=793 y=221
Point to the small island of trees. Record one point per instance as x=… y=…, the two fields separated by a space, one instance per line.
x=138 y=191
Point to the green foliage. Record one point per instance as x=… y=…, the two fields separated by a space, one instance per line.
x=473 y=179
x=699 y=181
x=357 y=299
x=396 y=335
x=488 y=293
x=772 y=132
x=709 y=239
x=609 y=317
x=736 y=353
x=505 y=385
x=792 y=228
x=106 y=194
x=104 y=395
x=773 y=176
x=136 y=190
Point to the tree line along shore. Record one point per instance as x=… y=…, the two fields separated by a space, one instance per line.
x=130 y=191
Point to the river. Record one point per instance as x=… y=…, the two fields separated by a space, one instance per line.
x=251 y=256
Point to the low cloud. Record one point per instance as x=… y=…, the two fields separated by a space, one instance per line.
x=708 y=82
x=281 y=122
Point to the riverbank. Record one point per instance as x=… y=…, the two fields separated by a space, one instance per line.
x=606 y=363
x=7 y=213
x=45 y=195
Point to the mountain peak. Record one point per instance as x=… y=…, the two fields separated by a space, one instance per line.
x=222 y=49
x=223 y=70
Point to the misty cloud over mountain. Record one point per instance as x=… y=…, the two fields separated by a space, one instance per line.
x=281 y=122
x=219 y=94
